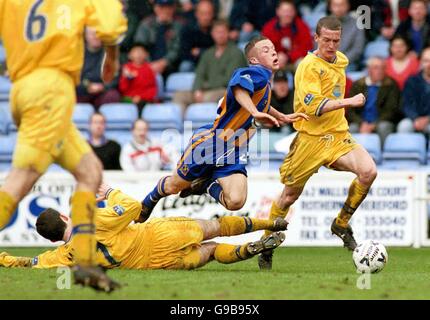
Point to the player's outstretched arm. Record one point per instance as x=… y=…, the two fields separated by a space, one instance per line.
x=287 y=118
x=356 y=101
x=9 y=261
x=245 y=101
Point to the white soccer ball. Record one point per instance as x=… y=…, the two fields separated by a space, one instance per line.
x=370 y=257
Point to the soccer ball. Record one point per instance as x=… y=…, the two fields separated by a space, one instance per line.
x=370 y=257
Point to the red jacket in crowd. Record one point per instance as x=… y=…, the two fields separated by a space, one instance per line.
x=294 y=40
x=142 y=83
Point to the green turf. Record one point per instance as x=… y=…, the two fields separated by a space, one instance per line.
x=299 y=273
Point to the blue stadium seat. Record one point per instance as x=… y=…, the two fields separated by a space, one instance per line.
x=372 y=143
x=119 y=116
x=10 y=125
x=7 y=144
x=160 y=86
x=3 y=121
x=377 y=48
x=179 y=81
x=121 y=136
x=82 y=114
x=5 y=86
x=313 y=18
x=201 y=114
x=161 y=116
x=404 y=150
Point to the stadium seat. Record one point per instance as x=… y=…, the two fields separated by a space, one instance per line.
x=119 y=116
x=372 y=143
x=160 y=87
x=377 y=48
x=121 y=136
x=5 y=86
x=403 y=150
x=7 y=144
x=82 y=114
x=313 y=18
x=201 y=114
x=161 y=116
x=179 y=81
x=3 y=121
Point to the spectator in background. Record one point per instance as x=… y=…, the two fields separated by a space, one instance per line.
x=290 y=35
x=417 y=27
x=137 y=83
x=161 y=35
x=353 y=39
x=92 y=89
x=282 y=97
x=214 y=69
x=382 y=108
x=416 y=99
x=196 y=37
x=142 y=154
x=107 y=151
x=248 y=17
x=403 y=62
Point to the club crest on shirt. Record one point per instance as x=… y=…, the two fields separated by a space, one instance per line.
x=247 y=77
x=119 y=210
x=184 y=169
x=337 y=92
x=308 y=99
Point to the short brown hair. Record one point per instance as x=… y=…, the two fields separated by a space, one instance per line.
x=330 y=23
x=50 y=225
x=221 y=22
x=251 y=44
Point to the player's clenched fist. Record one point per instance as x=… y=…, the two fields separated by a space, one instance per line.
x=358 y=100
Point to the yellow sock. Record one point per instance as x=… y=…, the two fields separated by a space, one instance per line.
x=232 y=225
x=84 y=240
x=7 y=207
x=276 y=212
x=228 y=253
x=357 y=193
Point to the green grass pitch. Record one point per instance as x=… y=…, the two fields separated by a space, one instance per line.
x=298 y=273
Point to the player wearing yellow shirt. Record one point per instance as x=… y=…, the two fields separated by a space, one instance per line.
x=324 y=140
x=45 y=49
x=161 y=243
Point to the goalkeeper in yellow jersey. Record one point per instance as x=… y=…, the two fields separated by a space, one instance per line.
x=161 y=243
x=324 y=140
x=44 y=47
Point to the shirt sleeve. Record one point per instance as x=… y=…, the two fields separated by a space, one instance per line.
x=309 y=91
x=249 y=79
x=62 y=256
x=108 y=20
x=120 y=212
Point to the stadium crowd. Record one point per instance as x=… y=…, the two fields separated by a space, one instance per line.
x=389 y=63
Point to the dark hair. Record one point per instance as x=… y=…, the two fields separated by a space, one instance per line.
x=251 y=44
x=281 y=2
x=406 y=40
x=140 y=45
x=50 y=225
x=330 y=23
x=221 y=22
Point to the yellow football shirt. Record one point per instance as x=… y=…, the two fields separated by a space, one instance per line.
x=316 y=82
x=49 y=33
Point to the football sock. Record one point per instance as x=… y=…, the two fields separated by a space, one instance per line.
x=215 y=190
x=155 y=195
x=276 y=212
x=228 y=253
x=357 y=193
x=232 y=225
x=7 y=208
x=84 y=240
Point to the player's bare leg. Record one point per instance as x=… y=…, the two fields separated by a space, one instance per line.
x=357 y=161
x=279 y=210
x=166 y=186
x=17 y=185
x=88 y=174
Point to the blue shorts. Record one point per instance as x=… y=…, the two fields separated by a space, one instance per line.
x=205 y=157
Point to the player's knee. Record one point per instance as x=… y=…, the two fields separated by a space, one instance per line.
x=89 y=172
x=234 y=202
x=288 y=200
x=170 y=187
x=368 y=175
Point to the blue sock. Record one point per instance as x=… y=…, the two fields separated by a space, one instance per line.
x=215 y=189
x=155 y=195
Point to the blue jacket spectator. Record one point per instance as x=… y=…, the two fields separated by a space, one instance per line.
x=416 y=99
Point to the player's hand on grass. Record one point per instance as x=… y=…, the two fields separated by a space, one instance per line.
x=293 y=117
x=265 y=119
x=357 y=101
x=103 y=191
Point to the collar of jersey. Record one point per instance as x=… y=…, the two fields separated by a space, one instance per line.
x=267 y=70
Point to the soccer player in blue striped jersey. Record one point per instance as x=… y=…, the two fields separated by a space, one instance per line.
x=215 y=159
